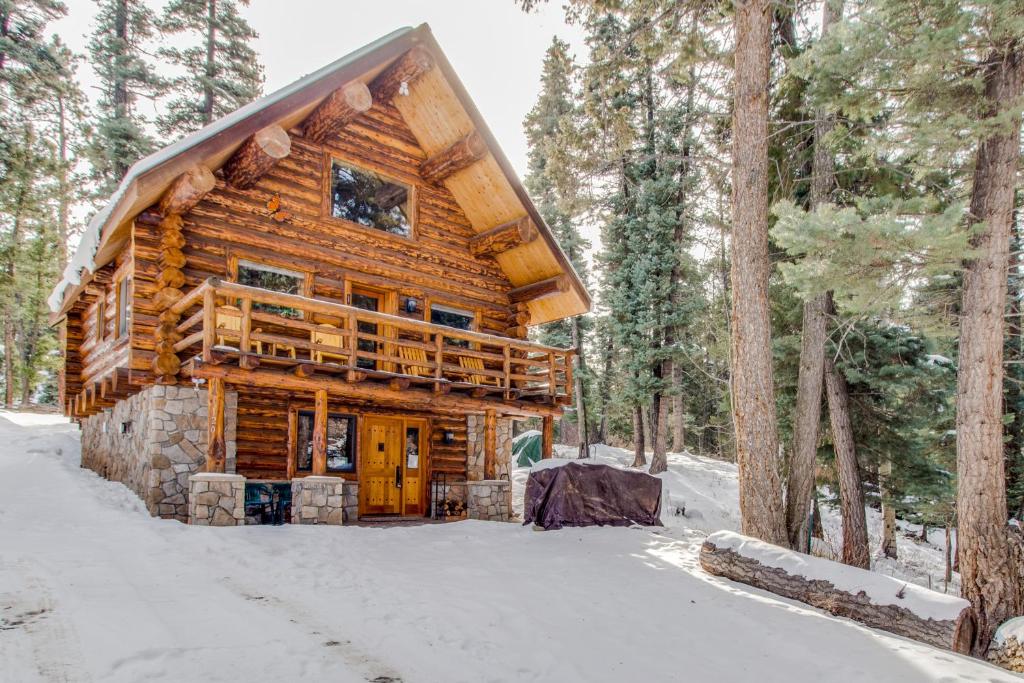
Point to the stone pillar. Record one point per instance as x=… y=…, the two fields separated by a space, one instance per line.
x=216 y=499
x=475 y=447
x=319 y=500
x=490 y=499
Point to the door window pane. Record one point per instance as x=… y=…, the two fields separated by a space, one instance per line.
x=412 y=448
x=365 y=198
x=367 y=302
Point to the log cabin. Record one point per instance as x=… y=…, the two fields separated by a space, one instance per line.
x=329 y=291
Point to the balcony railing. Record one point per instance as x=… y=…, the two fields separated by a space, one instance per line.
x=229 y=322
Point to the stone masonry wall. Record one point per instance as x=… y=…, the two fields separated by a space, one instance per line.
x=324 y=500
x=216 y=499
x=475 y=448
x=152 y=441
x=490 y=500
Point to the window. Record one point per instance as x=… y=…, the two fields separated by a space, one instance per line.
x=365 y=198
x=341 y=452
x=274 y=279
x=452 y=317
x=368 y=301
x=101 y=316
x=124 y=306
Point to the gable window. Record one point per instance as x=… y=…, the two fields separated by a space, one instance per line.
x=341 y=452
x=452 y=317
x=368 y=199
x=274 y=279
x=124 y=306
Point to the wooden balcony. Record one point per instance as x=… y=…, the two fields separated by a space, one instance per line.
x=248 y=335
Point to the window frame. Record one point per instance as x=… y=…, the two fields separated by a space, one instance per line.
x=296 y=414
x=101 y=317
x=327 y=207
x=122 y=307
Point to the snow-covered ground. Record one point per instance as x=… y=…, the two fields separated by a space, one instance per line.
x=92 y=588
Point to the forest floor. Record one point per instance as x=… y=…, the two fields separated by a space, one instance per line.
x=92 y=588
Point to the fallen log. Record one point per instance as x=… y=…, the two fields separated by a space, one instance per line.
x=872 y=599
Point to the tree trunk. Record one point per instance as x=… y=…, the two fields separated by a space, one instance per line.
x=639 y=458
x=8 y=357
x=121 y=94
x=678 y=410
x=851 y=493
x=990 y=579
x=807 y=420
x=888 y=511
x=659 y=461
x=211 y=58
x=954 y=632
x=762 y=509
x=581 y=403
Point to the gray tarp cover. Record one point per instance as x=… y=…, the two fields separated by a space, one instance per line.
x=589 y=495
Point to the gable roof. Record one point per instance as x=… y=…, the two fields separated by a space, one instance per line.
x=438 y=111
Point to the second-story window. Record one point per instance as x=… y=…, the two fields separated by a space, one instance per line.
x=273 y=279
x=452 y=317
x=368 y=199
x=124 y=306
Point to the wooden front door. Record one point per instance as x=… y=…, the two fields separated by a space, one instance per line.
x=381 y=475
x=391 y=477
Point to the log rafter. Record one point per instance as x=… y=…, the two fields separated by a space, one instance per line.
x=337 y=110
x=505 y=237
x=457 y=156
x=256 y=156
x=187 y=190
x=536 y=291
x=404 y=70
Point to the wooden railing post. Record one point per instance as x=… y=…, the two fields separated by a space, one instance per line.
x=438 y=358
x=353 y=345
x=215 y=446
x=567 y=360
x=320 y=432
x=507 y=369
x=552 y=375
x=209 y=324
x=243 y=342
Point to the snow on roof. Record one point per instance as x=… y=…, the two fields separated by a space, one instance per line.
x=879 y=588
x=84 y=257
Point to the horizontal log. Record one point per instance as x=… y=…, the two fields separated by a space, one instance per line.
x=187 y=190
x=403 y=71
x=504 y=237
x=459 y=155
x=953 y=630
x=257 y=155
x=337 y=388
x=337 y=110
x=539 y=290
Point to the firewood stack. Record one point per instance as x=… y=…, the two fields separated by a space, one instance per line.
x=1008 y=651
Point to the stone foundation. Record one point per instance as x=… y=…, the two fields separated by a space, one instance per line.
x=216 y=499
x=324 y=500
x=153 y=441
x=475 y=448
x=490 y=500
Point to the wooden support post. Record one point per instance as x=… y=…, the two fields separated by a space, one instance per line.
x=547 y=445
x=490 y=444
x=320 y=432
x=539 y=290
x=461 y=154
x=504 y=237
x=216 y=449
x=257 y=155
x=337 y=110
x=404 y=70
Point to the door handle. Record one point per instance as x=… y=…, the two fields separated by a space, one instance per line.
x=398 y=476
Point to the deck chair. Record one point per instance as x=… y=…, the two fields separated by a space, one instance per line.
x=325 y=335
x=229 y=320
x=414 y=355
x=471 y=363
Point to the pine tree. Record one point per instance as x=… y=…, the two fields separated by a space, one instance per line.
x=119 y=56
x=222 y=71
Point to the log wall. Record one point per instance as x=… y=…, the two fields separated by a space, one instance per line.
x=284 y=221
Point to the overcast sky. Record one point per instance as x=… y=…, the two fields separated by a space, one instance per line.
x=495 y=48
